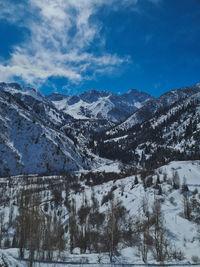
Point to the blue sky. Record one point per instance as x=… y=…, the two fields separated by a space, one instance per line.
x=70 y=46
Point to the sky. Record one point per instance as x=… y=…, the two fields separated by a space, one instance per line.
x=71 y=46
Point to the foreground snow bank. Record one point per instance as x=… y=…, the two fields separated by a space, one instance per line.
x=8 y=260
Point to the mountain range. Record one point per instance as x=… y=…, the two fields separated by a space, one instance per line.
x=59 y=133
x=95 y=182
x=100 y=104
x=166 y=128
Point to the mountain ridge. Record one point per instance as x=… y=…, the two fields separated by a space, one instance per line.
x=171 y=134
x=31 y=123
x=148 y=110
x=101 y=104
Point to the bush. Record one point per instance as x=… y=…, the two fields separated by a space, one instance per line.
x=46 y=207
x=107 y=197
x=195 y=191
x=172 y=200
x=195 y=259
x=83 y=212
x=178 y=255
x=57 y=195
x=114 y=187
x=169 y=181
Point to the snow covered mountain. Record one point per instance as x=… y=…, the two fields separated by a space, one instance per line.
x=101 y=105
x=171 y=132
x=144 y=211
x=155 y=106
x=31 y=136
x=44 y=135
x=39 y=134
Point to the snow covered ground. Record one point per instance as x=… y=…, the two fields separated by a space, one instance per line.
x=181 y=232
x=9 y=257
x=188 y=169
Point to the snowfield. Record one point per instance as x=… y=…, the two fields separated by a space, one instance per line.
x=188 y=169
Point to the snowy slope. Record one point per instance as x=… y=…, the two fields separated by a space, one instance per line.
x=8 y=260
x=16 y=89
x=173 y=133
x=189 y=170
x=30 y=138
x=182 y=232
x=137 y=200
x=155 y=106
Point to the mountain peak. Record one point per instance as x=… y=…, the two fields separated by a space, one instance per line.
x=17 y=89
x=12 y=85
x=96 y=92
x=197 y=85
x=132 y=91
x=136 y=92
x=93 y=95
x=56 y=96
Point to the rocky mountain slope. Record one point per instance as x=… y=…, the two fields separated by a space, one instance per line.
x=40 y=135
x=31 y=139
x=43 y=128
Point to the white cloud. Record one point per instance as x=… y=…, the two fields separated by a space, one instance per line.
x=11 y=11
x=60 y=34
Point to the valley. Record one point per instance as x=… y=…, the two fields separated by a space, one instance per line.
x=85 y=180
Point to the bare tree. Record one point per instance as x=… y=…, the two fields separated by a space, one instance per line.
x=2 y=215
x=186 y=206
x=176 y=180
x=159 y=241
x=116 y=214
x=144 y=248
x=73 y=226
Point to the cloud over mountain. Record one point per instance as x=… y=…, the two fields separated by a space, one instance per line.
x=61 y=33
x=64 y=40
